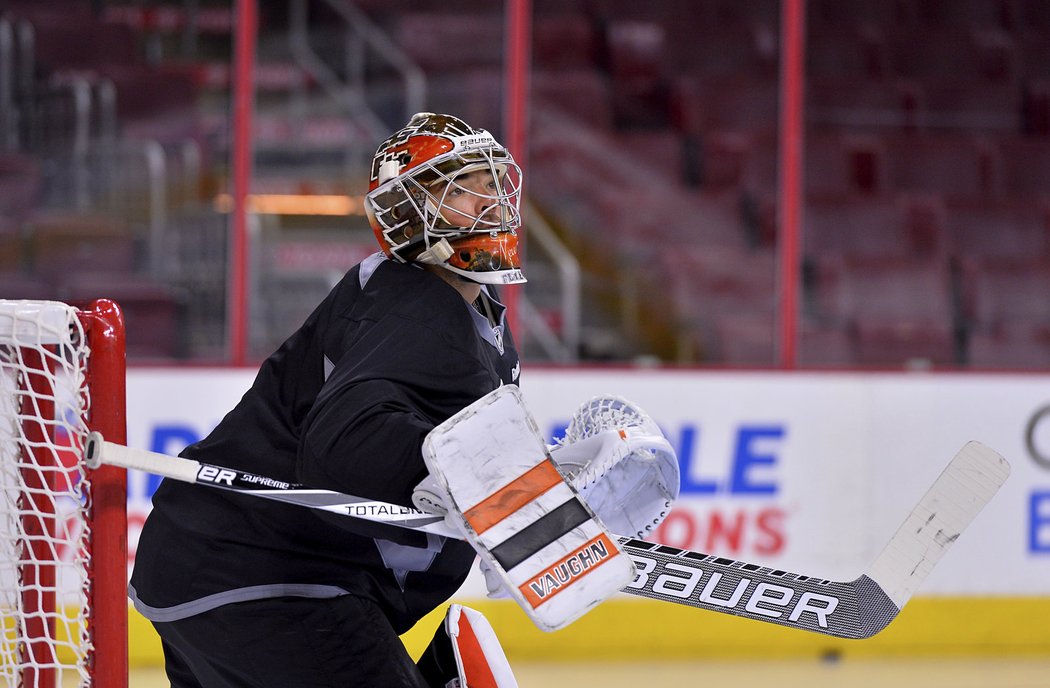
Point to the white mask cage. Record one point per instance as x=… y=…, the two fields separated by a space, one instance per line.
x=431 y=199
x=446 y=194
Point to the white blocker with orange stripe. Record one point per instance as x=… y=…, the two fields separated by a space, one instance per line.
x=503 y=492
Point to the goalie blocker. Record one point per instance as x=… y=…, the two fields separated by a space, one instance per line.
x=494 y=475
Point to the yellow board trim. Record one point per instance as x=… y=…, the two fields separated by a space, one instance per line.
x=626 y=629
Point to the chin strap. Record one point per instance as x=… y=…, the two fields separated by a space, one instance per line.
x=437 y=254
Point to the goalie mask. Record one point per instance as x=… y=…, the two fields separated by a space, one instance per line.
x=443 y=193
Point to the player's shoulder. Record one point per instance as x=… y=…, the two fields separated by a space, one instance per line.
x=407 y=291
x=375 y=279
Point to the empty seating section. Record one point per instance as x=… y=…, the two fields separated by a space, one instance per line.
x=999 y=229
x=881 y=288
x=654 y=144
x=20 y=185
x=724 y=297
x=664 y=149
x=896 y=227
x=564 y=41
x=725 y=103
x=837 y=165
x=653 y=149
x=450 y=41
x=846 y=50
x=894 y=309
x=635 y=52
x=1025 y=167
x=955 y=166
x=99 y=147
x=719 y=281
x=62 y=243
x=1006 y=310
x=995 y=291
x=927 y=165
x=720 y=159
x=863 y=102
x=939 y=52
x=65 y=44
x=1013 y=345
x=974 y=106
x=712 y=47
x=1033 y=45
x=585 y=94
x=631 y=205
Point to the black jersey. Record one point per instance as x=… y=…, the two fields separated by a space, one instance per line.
x=344 y=404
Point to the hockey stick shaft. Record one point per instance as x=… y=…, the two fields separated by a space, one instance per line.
x=98 y=452
x=854 y=609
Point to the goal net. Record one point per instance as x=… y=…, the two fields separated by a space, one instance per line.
x=63 y=528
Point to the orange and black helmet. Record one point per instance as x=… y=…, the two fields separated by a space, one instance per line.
x=413 y=174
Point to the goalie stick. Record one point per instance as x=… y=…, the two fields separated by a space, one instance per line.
x=846 y=609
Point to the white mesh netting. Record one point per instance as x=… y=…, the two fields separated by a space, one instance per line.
x=605 y=413
x=618 y=459
x=43 y=496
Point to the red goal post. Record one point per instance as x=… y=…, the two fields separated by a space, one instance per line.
x=63 y=527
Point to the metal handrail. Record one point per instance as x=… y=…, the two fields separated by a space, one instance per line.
x=565 y=348
x=349 y=92
x=157 y=167
x=79 y=89
x=371 y=34
x=539 y=331
x=8 y=118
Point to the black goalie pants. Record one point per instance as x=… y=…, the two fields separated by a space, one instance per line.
x=339 y=642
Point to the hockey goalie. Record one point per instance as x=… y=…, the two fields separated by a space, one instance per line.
x=303 y=560
x=407 y=339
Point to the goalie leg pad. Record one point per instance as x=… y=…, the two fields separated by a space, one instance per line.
x=465 y=653
x=528 y=524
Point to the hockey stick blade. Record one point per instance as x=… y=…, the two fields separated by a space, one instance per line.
x=854 y=609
